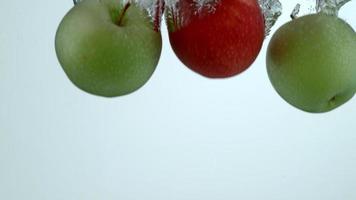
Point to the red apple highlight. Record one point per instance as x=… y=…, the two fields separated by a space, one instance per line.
x=216 y=38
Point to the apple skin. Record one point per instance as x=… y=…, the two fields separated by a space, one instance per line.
x=219 y=43
x=103 y=58
x=311 y=62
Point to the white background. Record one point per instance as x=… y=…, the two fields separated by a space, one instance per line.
x=181 y=137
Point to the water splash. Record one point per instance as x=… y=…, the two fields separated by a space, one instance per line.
x=271 y=9
x=181 y=12
x=329 y=7
x=154 y=8
x=207 y=5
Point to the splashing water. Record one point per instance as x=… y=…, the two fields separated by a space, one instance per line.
x=197 y=3
x=154 y=8
x=271 y=9
x=178 y=11
x=208 y=5
x=329 y=7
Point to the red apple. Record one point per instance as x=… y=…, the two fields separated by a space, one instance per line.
x=216 y=38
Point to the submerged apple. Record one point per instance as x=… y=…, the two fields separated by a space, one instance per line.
x=311 y=62
x=216 y=38
x=108 y=48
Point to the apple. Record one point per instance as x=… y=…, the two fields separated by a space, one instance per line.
x=108 y=48
x=216 y=38
x=311 y=62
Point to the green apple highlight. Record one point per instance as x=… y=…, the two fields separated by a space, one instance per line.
x=107 y=48
x=311 y=62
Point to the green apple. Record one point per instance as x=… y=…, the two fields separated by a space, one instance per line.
x=311 y=62
x=108 y=48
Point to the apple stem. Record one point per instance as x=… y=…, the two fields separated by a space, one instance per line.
x=121 y=16
x=160 y=5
